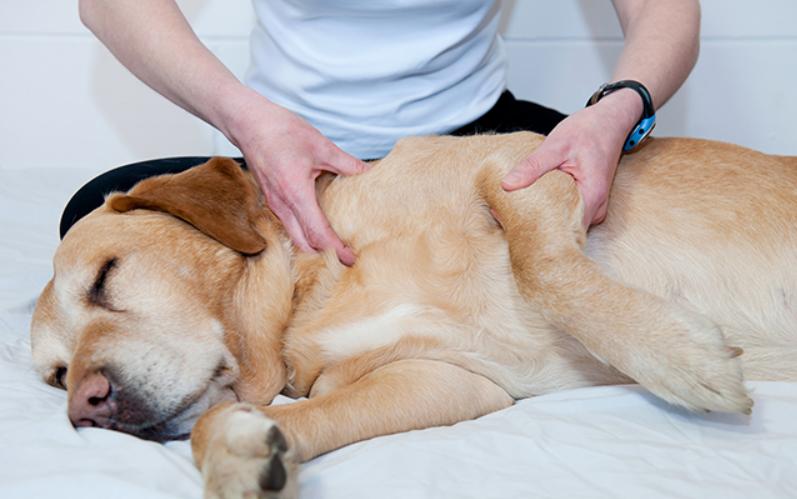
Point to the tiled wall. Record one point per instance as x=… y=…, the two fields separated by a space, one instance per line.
x=65 y=102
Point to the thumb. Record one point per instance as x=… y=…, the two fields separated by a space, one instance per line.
x=540 y=162
x=344 y=164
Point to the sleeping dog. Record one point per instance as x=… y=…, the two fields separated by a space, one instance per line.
x=181 y=308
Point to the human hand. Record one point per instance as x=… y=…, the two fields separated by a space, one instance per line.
x=587 y=145
x=286 y=155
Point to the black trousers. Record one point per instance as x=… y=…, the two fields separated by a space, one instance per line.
x=507 y=115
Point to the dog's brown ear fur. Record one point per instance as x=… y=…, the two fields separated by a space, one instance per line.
x=217 y=198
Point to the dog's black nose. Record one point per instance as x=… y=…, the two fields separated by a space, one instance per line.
x=91 y=404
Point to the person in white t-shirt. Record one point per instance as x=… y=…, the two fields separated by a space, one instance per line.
x=336 y=82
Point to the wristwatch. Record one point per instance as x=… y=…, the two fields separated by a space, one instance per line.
x=646 y=123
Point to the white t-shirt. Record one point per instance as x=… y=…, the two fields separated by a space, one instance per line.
x=368 y=72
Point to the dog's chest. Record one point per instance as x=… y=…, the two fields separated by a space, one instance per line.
x=427 y=296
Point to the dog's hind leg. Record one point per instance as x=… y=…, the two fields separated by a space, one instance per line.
x=677 y=354
x=240 y=447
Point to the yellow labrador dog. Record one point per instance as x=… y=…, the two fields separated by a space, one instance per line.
x=181 y=307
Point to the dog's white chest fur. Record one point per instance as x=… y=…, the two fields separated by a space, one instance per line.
x=370 y=333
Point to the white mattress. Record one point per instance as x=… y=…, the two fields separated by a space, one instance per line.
x=596 y=442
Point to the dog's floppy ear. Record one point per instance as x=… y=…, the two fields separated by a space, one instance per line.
x=217 y=198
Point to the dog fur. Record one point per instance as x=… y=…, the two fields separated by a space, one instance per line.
x=186 y=293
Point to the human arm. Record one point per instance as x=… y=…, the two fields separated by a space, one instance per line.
x=661 y=47
x=155 y=42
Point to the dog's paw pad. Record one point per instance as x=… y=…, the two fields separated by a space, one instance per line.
x=273 y=476
x=250 y=458
x=276 y=440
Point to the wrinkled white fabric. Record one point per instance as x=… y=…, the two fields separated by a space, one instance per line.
x=606 y=442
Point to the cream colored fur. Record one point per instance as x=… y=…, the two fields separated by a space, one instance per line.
x=688 y=288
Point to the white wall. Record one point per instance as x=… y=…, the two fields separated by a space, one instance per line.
x=65 y=102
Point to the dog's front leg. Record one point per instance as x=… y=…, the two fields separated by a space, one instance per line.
x=679 y=355
x=243 y=450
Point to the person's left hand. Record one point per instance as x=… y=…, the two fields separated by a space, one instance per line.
x=586 y=145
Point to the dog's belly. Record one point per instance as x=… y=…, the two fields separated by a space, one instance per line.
x=721 y=240
x=751 y=295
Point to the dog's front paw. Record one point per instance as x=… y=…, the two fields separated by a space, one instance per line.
x=248 y=457
x=689 y=364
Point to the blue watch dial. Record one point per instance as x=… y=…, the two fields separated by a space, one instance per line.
x=640 y=132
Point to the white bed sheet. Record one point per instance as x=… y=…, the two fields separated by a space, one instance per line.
x=594 y=442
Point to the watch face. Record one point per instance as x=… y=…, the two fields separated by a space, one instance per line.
x=644 y=132
x=640 y=133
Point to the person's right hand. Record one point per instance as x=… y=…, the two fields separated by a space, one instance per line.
x=286 y=155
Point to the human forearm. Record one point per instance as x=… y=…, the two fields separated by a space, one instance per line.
x=154 y=41
x=661 y=44
x=661 y=47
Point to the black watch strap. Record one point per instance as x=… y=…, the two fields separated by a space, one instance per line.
x=647 y=101
x=646 y=122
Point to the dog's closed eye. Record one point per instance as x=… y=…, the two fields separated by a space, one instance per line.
x=58 y=377
x=97 y=294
